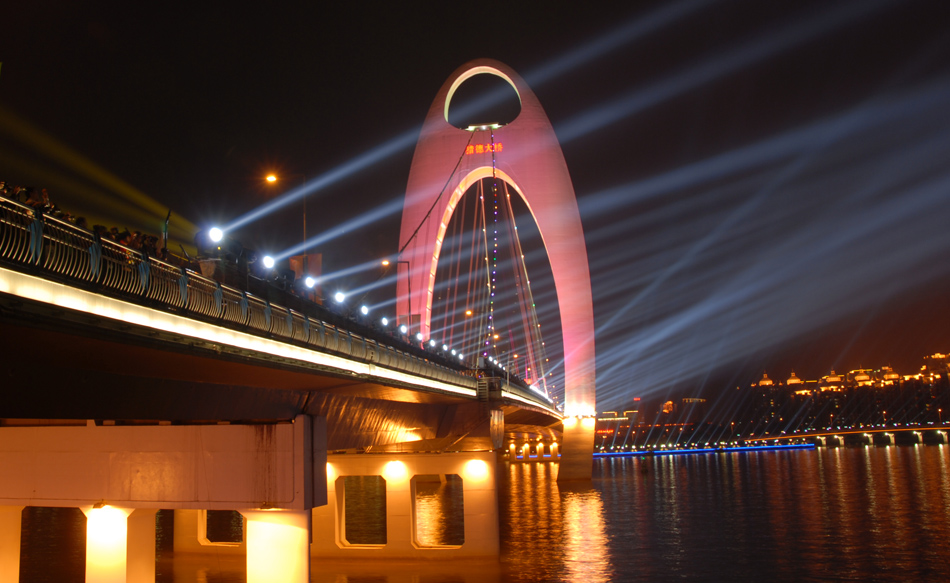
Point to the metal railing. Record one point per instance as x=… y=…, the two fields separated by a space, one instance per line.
x=55 y=249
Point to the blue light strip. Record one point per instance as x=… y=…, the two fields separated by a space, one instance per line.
x=703 y=450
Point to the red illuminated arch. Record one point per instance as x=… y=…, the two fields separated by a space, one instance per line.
x=531 y=161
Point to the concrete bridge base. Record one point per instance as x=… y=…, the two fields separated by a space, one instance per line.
x=577 y=450
x=400 y=480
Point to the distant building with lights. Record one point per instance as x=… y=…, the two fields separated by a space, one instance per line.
x=831 y=382
x=861 y=377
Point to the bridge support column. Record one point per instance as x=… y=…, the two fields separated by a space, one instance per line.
x=10 y=542
x=141 y=546
x=577 y=449
x=120 y=545
x=278 y=545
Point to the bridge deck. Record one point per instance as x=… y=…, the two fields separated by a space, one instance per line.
x=93 y=330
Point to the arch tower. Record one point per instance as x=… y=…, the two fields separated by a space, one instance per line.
x=532 y=163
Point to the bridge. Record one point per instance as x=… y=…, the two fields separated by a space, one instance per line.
x=135 y=384
x=911 y=434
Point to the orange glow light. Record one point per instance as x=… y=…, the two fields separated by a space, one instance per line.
x=106 y=530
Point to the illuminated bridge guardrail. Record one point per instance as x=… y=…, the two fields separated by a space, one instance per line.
x=54 y=249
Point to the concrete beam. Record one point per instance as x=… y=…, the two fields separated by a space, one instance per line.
x=217 y=467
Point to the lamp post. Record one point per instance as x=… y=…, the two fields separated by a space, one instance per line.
x=272 y=179
x=387 y=263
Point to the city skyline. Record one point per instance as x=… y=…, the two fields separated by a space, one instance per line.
x=760 y=186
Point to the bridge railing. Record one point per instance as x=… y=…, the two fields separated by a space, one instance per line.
x=55 y=249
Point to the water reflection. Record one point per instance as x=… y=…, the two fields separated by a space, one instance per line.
x=364 y=510
x=52 y=536
x=440 y=514
x=584 y=544
x=550 y=533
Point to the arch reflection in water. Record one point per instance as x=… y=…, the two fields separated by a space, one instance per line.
x=439 y=516
x=552 y=532
x=585 y=542
x=364 y=510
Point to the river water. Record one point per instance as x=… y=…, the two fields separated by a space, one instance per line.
x=870 y=514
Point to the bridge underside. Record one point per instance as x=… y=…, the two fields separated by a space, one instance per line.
x=64 y=367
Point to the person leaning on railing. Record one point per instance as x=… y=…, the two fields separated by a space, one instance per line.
x=10 y=191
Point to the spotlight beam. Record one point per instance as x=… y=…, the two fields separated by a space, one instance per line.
x=844 y=255
x=376 y=214
x=768 y=45
x=613 y=40
x=805 y=143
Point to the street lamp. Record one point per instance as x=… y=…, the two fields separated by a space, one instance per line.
x=272 y=179
x=386 y=263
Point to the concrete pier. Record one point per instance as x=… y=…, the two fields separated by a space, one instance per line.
x=476 y=470
x=577 y=449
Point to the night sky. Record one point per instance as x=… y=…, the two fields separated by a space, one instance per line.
x=764 y=186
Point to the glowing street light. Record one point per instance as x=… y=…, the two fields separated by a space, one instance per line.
x=386 y=263
x=272 y=179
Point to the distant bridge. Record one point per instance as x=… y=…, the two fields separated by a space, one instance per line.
x=907 y=434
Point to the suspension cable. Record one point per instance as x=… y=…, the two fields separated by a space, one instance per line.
x=534 y=340
x=438 y=198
